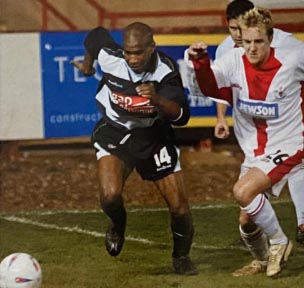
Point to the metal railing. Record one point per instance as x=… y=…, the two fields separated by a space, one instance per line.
x=104 y=15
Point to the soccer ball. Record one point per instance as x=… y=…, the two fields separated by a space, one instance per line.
x=20 y=270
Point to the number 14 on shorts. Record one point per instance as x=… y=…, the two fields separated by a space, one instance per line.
x=162 y=157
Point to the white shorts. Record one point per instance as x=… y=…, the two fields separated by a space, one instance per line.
x=279 y=167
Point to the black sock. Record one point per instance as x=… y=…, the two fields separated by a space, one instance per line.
x=116 y=211
x=182 y=230
x=249 y=227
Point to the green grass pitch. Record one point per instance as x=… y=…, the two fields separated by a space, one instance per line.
x=70 y=248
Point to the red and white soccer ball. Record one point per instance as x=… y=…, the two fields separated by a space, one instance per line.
x=20 y=270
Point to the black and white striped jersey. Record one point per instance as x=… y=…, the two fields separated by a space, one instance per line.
x=116 y=95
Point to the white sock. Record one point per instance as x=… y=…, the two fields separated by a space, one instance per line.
x=262 y=214
x=296 y=190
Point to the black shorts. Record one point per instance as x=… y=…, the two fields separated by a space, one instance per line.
x=150 y=150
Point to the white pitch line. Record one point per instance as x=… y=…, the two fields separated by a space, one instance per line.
x=96 y=234
x=74 y=229
x=130 y=210
x=78 y=230
x=135 y=210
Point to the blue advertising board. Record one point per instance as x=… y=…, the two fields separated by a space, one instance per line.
x=68 y=97
x=69 y=105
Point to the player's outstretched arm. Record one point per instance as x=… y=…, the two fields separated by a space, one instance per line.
x=86 y=67
x=197 y=50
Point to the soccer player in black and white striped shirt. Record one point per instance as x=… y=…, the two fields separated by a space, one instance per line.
x=140 y=97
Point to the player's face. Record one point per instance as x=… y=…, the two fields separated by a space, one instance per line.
x=235 y=32
x=138 y=55
x=256 y=45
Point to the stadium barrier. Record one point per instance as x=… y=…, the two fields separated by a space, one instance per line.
x=42 y=96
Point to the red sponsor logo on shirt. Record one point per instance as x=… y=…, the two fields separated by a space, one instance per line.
x=133 y=103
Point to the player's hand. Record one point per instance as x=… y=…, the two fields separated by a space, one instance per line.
x=86 y=70
x=197 y=50
x=221 y=129
x=146 y=90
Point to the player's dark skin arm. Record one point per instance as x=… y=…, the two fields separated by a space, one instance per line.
x=86 y=67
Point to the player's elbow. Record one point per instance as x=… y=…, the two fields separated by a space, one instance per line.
x=183 y=117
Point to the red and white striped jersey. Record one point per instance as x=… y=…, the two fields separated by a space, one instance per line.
x=268 y=106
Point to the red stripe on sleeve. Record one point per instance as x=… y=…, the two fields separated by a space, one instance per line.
x=207 y=82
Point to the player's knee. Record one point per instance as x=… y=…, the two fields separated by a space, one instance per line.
x=109 y=191
x=240 y=194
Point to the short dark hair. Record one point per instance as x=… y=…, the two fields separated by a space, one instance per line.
x=140 y=31
x=237 y=8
